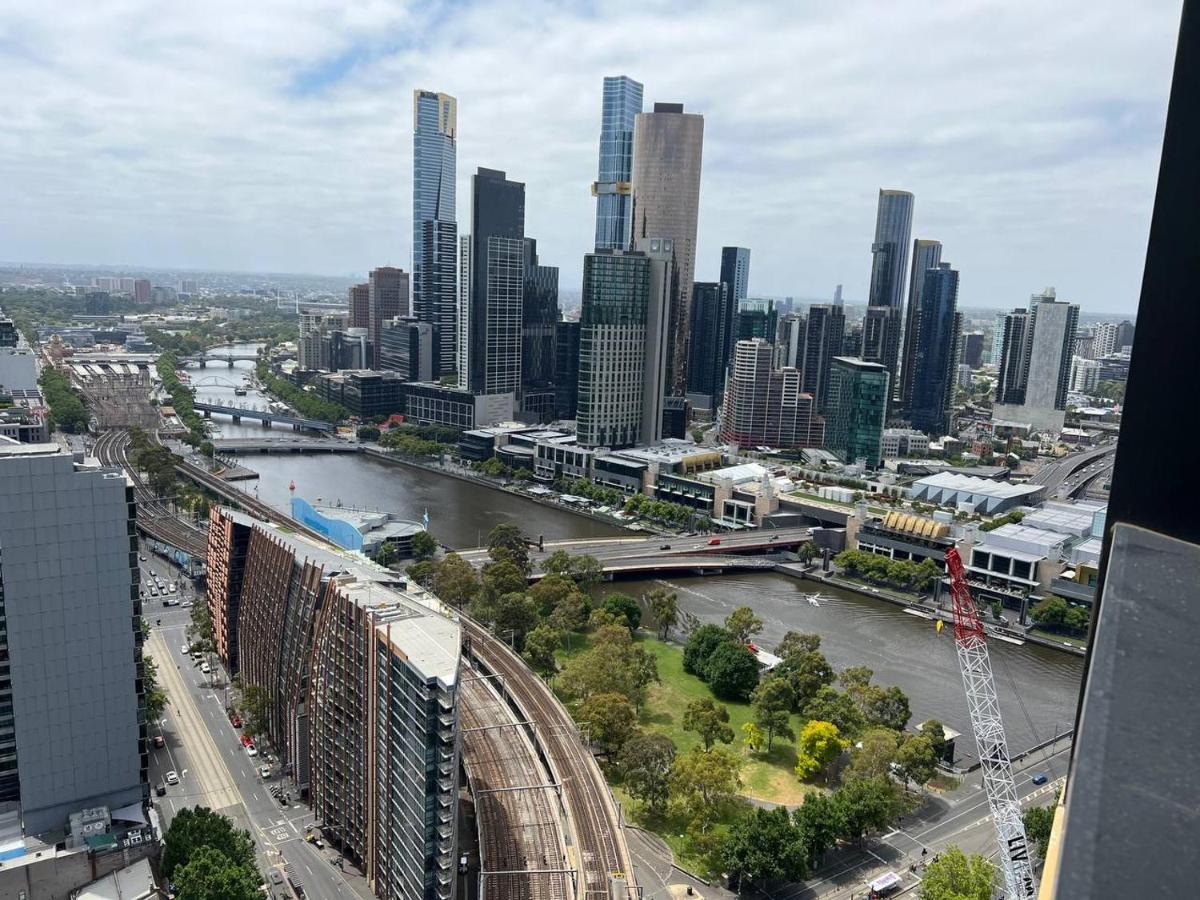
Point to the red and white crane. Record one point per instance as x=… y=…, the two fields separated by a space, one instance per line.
x=998 y=783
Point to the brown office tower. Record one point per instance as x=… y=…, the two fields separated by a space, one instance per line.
x=388 y=299
x=764 y=406
x=667 y=146
x=360 y=304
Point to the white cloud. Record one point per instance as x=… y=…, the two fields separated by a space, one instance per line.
x=189 y=134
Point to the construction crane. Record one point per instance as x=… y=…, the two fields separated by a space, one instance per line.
x=980 y=688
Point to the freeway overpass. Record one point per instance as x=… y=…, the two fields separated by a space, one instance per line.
x=1055 y=473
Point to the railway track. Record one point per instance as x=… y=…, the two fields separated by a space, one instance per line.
x=599 y=842
x=522 y=841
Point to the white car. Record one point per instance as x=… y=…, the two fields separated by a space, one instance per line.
x=172 y=778
x=252 y=750
x=264 y=771
x=171 y=589
x=185 y=649
x=205 y=668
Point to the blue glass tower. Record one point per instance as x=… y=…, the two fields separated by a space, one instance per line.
x=622 y=103
x=936 y=359
x=435 y=231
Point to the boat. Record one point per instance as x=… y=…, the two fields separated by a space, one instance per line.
x=814 y=599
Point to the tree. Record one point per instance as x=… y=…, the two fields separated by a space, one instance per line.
x=424 y=545
x=557 y=563
x=586 y=570
x=422 y=573
x=867 y=804
x=211 y=875
x=198 y=826
x=206 y=449
x=700 y=645
x=492 y=467
x=513 y=616
x=540 y=646
x=500 y=578
x=956 y=876
x=613 y=664
x=797 y=642
x=571 y=612
x=807 y=671
x=156 y=697
x=709 y=720
x=549 y=591
x=368 y=433
x=506 y=543
x=200 y=628
x=820 y=745
x=610 y=720
x=820 y=823
x=830 y=705
x=936 y=732
x=876 y=755
x=256 y=709
x=806 y=552
x=753 y=737
x=773 y=700
x=1039 y=820
x=1050 y=613
x=855 y=678
x=455 y=581
x=732 y=672
x=664 y=609
x=624 y=607
x=763 y=844
x=886 y=707
x=743 y=624
x=646 y=762
x=916 y=759
x=703 y=782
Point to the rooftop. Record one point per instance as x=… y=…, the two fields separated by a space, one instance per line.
x=970 y=484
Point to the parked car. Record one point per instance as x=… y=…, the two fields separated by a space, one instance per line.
x=1040 y=778
x=236 y=720
x=159 y=741
x=185 y=649
x=160 y=789
x=142 y=558
x=171 y=589
x=251 y=750
x=247 y=740
x=274 y=876
x=172 y=777
x=264 y=771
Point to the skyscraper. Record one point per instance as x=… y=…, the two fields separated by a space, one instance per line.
x=713 y=311
x=1039 y=396
x=612 y=189
x=72 y=705
x=824 y=330
x=387 y=298
x=926 y=255
x=764 y=405
x=935 y=362
x=1014 y=334
x=623 y=345
x=735 y=271
x=667 y=148
x=881 y=338
x=495 y=273
x=889 y=260
x=539 y=313
x=435 y=229
x=360 y=305
x=857 y=409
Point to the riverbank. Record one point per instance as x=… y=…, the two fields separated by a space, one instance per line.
x=933 y=613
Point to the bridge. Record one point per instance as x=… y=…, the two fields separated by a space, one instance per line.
x=265 y=416
x=203 y=359
x=234 y=446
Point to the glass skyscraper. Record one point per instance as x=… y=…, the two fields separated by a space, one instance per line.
x=435 y=230
x=622 y=103
x=935 y=362
x=857 y=408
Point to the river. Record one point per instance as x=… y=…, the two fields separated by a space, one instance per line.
x=1038 y=687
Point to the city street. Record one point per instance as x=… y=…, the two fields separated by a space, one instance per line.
x=214 y=770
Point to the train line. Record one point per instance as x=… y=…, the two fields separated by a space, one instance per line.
x=522 y=841
x=599 y=841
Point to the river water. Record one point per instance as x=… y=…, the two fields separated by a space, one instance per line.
x=1038 y=687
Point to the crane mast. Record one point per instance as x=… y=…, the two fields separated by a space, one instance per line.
x=984 y=706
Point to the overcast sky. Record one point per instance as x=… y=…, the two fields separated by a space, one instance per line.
x=276 y=135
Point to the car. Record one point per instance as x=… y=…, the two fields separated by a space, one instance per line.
x=205 y=668
x=160 y=741
x=172 y=777
x=142 y=558
x=247 y=740
x=171 y=589
x=186 y=604
x=665 y=547
x=264 y=771
x=153 y=592
x=274 y=876
x=713 y=542
x=1040 y=778
x=251 y=750
x=236 y=720
x=774 y=537
x=462 y=864
x=196 y=654
x=185 y=649
x=160 y=789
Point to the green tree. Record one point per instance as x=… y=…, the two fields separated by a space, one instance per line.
x=868 y=804
x=423 y=573
x=703 y=783
x=806 y=552
x=795 y=642
x=211 y=875
x=613 y=664
x=513 y=616
x=1050 y=613
x=743 y=624
x=1039 y=820
x=886 y=707
x=586 y=571
x=761 y=845
x=206 y=449
x=807 y=671
x=700 y=645
x=200 y=629
x=156 y=697
x=557 y=563
x=540 y=646
x=506 y=543
x=256 y=709
x=821 y=823
x=198 y=826
x=551 y=590
x=500 y=578
x=936 y=732
x=855 y=678
x=916 y=759
x=424 y=545
x=753 y=737
x=709 y=720
x=368 y=433
x=625 y=608
x=646 y=762
x=732 y=672
x=830 y=705
x=664 y=609
x=773 y=700
x=876 y=755
x=610 y=720
x=820 y=744
x=956 y=876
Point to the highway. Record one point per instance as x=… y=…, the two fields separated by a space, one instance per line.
x=1055 y=473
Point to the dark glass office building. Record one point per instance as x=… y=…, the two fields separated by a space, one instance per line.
x=713 y=311
x=540 y=312
x=435 y=229
x=935 y=361
x=857 y=408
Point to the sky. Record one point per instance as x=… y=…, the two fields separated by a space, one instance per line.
x=276 y=135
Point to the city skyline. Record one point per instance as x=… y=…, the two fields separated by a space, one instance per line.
x=992 y=159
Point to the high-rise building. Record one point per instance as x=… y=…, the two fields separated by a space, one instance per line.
x=764 y=405
x=361 y=675
x=1035 y=368
x=435 y=228
x=881 y=338
x=387 y=298
x=141 y=290
x=735 y=271
x=789 y=341
x=360 y=305
x=667 y=148
x=712 y=337
x=857 y=409
x=409 y=347
x=1104 y=338
x=1125 y=332
x=623 y=345
x=613 y=189
x=926 y=255
x=972 y=349
x=889 y=262
x=935 y=361
x=494 y=271
x=539 y=313
x=1085 y=374
x=566 y=369
x=757 y=322
x=824 y=330
x=72 y=702
x=186 y=286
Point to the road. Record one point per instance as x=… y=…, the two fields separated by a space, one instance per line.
x=204 y=748
x=1054 y=474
